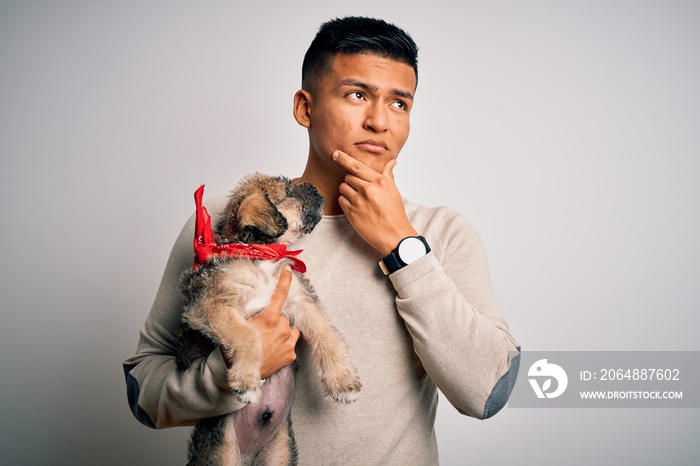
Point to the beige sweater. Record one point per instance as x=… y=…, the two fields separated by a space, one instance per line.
x=433 y=324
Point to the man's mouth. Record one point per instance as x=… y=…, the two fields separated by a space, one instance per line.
x=372 y=145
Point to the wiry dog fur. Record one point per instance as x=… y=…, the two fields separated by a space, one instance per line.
x=224 y=292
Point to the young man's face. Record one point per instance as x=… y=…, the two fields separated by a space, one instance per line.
x=362 y=107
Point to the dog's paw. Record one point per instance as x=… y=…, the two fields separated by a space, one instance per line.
x=346 y=392
x=347 y=396
x=247 y=396
x=245 y=387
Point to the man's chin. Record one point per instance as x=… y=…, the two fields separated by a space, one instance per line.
x=374 y=161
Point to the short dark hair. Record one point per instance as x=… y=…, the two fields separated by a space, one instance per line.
x=357 y=35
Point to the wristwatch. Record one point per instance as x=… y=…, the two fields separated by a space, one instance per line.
x=409 y=250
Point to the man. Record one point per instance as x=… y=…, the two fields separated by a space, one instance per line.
x=431 y=323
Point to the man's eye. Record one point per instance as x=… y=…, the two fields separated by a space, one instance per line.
x=356 y=95
x=400 y=105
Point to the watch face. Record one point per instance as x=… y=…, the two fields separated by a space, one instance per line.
x=411 y=249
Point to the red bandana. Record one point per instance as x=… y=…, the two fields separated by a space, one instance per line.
x=205 y=247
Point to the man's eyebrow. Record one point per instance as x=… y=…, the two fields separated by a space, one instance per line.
x=373 y=88
x=399 y=93
x=355 y=83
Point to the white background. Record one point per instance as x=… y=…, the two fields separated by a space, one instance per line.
x=567 y=132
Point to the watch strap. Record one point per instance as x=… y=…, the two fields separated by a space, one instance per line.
x=393 y=262
x=390 y=263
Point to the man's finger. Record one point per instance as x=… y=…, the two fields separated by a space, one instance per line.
x=389 y=168
x=348 y=191
x=352 y=165
x=274 y=309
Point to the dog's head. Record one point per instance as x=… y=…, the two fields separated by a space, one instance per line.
x=268 y=209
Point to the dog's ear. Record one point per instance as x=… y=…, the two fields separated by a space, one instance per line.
x=312 y=203
x=257 y=220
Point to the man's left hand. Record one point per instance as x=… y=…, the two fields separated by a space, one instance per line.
x=372 y=203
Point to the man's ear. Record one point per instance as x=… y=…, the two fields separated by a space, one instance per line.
x=302 y=108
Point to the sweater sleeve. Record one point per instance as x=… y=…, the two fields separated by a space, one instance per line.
x=159 y=394
x=449 y=308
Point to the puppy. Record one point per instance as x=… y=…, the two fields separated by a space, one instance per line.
x=236 y=283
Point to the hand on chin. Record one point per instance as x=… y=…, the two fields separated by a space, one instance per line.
x=375 y=161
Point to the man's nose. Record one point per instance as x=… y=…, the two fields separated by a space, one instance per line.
x=377 y=118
